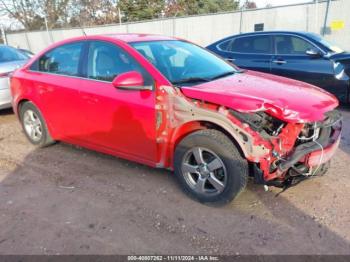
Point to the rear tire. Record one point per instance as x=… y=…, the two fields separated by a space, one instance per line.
x=209 y=167
x=34 y=125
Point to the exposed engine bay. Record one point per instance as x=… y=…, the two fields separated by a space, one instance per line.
x=261 y=122
x=294 y=166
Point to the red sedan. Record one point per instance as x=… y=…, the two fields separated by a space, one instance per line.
x=168 y=103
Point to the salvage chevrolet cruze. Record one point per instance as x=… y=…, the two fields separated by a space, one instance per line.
x=168 y=103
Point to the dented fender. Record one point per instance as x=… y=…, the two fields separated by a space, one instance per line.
x=181 y=116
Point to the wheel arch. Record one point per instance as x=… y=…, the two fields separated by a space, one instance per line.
x=188 y=128
x=22 y=101
x=20 y=104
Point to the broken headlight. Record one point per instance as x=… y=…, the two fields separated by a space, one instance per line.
x=260 y=122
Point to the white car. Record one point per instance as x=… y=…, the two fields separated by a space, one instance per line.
x=10 y=60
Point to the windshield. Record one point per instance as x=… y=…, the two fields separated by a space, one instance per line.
x=8 y=54
x=182 y=62
x=330 y=46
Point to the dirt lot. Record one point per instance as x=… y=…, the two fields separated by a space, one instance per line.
x=68 y=200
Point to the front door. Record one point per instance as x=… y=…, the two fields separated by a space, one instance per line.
x=292 y=61
x=122 y=121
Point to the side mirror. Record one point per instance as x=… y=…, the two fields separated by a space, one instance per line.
x=314 y=53
x=132 y=80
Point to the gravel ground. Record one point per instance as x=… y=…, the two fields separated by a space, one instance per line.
x=68 y=200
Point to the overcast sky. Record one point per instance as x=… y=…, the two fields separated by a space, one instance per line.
x=263 y=3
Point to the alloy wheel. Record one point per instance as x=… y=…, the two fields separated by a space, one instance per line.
x=32 y=125
x=204 y=171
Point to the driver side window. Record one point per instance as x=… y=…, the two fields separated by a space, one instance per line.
x=106 y=61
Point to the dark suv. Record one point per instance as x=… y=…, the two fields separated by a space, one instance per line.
x=302 y=56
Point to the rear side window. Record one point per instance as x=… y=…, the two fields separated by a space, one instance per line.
x=252 y=45
x=291 y=45
x=226 y=45
x=106 y=61
x=63 y=60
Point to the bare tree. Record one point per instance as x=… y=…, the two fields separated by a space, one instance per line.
x=31 y=13
x=63 y=13
x=94 y=12
x=249 y=5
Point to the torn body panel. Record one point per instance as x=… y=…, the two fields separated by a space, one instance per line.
x=181 y=116
x=263 y=140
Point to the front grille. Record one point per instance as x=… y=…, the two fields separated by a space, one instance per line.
x=312 y=131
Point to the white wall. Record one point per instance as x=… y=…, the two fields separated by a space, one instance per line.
x=209 y=28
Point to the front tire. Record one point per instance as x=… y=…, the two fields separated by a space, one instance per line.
x=209 y=167
x=34 y=125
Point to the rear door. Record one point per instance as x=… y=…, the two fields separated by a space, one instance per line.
x=56 y=79
x=291 y=61
x=250 y=52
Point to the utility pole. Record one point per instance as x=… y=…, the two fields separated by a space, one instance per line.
x=326 y=18
x=47 y=29
x=3 y=34
x=120 y=16
x=241 y=20
x=316 y=17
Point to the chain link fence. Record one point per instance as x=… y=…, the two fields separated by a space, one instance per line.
x=205 y=29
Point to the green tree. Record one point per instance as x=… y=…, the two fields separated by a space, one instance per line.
x=194 y=7
x=135 y=10
x=93 y=12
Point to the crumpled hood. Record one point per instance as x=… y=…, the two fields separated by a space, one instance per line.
x=341 y=56
x=289 y=100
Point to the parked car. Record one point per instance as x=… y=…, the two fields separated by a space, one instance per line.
x=302 y=56
x=26 y=52
x=168 y=103
x=10 y=60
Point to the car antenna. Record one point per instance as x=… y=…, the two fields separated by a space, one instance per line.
x=82 y=29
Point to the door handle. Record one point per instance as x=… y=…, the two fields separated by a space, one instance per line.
x=44 y=89
x=90 y=99
x=230 y=59
x=279 y=62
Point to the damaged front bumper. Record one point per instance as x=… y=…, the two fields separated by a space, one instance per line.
x=319 y=151
x=306 y=159
x=324 y=155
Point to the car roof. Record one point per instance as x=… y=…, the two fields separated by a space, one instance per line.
x=299 y=33
x=127 y=38
x=122 y=37
x=276 y=32
x=133 y=37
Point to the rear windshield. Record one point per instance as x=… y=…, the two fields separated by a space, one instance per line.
x=8 y=54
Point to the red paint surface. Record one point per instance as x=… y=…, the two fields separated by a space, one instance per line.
x=129 y=79
x=286 y=99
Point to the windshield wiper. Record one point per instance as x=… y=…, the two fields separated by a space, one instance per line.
x=222 y=75
x=202 y=79
x=192 y=80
